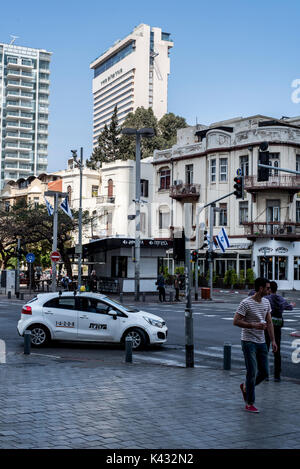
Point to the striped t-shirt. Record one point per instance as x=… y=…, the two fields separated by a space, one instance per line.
x=254 y=311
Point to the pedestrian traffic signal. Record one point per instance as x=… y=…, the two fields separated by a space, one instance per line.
x=179 y=246
x=263 y=158
x=194 y=256
x=239 y=187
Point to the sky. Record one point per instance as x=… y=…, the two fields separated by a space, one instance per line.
x=233 y=58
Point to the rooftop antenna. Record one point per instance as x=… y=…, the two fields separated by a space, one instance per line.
x=13 y=38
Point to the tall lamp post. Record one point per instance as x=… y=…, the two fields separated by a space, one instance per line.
x=145 y=132
x=79 y=164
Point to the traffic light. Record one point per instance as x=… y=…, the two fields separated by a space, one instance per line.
x=179 y=246
x=239 y=187
x=194 y=255
x=263 y=158
x=205 y=241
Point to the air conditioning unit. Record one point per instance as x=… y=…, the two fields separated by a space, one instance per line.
x=178 y=182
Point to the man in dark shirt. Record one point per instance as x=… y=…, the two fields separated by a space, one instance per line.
x=278 y=305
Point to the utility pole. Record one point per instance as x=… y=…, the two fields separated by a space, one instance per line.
x=18 y=267
x=79 y=164
x=210 y=248
x=189 y=332
x=56 y=195
x=137 y=216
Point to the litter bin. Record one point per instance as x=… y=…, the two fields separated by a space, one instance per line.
x=205 y=293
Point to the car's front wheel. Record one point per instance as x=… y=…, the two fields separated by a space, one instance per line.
x=39 y=335
x=138 y=336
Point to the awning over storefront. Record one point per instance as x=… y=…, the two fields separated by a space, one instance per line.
x=108 y=244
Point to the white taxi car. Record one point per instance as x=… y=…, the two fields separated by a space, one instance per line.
x=88 y=317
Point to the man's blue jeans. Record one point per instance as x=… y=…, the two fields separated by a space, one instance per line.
x=257 y=366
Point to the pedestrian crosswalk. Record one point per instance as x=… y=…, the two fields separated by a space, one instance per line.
x=175 y=356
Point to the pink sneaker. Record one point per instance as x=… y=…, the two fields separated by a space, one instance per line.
x=251 y=408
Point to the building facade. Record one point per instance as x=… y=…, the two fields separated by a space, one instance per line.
x=264 y=227
x=24 y=103
x=132 y=73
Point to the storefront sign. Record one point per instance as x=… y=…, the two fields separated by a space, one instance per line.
x=265 y=249
x=281 y=250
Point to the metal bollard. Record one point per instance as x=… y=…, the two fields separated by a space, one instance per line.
x=9 y=295
x=121 y=297
x=128 y=349
x=171 y=296
x=144 y=296
x=27 y=342
x=22 y=296
x=227 y=356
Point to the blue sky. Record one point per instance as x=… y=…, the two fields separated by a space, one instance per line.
x=233 y=58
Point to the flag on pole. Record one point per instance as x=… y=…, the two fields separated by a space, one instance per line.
x=223 y=240
x=50 y=209
x=65 y=207
x=214 y=245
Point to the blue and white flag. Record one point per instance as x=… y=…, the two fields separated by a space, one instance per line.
x=223 y=240
x=65 y=207
x=214 y=246
x=50 y=209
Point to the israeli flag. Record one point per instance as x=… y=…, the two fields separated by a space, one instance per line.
x=65 y=207
x=223 y=240
x=50 y=209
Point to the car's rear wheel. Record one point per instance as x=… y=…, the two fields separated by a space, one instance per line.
x=138 y=336
x=39 y=335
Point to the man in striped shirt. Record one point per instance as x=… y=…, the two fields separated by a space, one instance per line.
x=254 y=317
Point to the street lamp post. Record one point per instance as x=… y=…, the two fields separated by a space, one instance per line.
x=79 y=164
x=145 y=132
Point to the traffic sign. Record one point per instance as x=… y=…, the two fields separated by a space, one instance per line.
x=55 y=256
x=30 y=257
x=239 y=172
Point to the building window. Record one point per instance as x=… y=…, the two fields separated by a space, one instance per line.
x=163 y=222
x=36 y=202
x=223 y=169
x=274 y=161
x=296 y=268
x=110 y=188
x=213 y=169
x=297 y=162
x=244 y=165
x=243 y=212
x=69 y=191
x=164 y=179
x=223 y=215
x=95 y=191
x=144 y=188
x=119 y=266
x=189 y=173
x=297 y=211
x=7 y=206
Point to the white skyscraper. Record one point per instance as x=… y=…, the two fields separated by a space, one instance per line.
x=132 y=73
x=24 y=102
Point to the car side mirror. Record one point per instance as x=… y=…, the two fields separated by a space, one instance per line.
x=113 y=313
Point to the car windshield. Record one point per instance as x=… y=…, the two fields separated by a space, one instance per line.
x=129 y=309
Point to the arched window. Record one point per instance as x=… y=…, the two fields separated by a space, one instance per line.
x=110 y=189
x=69 y=190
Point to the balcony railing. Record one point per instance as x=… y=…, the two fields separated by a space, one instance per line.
x=105 y=199
x=273 y=229
x=278 y=183
x=185 y=191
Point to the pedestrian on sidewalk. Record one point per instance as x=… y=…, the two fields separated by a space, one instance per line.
x=254 y=317
x=278 y=305
x=161 y=287
x=65 y=282
x=177 y=286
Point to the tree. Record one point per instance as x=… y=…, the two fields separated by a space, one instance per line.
x=168 y=126
x=108 y=148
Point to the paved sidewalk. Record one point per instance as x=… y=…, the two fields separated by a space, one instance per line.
x=48 y=402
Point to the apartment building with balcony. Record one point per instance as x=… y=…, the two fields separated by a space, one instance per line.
x=130 y=74
x=24 y=104
x=264 y=228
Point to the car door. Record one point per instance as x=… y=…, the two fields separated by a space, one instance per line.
x=60 y=313
x=94 y=322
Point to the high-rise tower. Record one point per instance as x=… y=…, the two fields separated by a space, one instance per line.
x=24 y=102
x=132 y=73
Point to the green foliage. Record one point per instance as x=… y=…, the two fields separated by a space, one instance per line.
x=230 y=277
x=250 y=277
x=179 y=270
x=113 y=145
x=242 y=277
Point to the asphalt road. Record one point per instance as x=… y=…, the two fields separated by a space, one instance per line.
x=212 y=328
